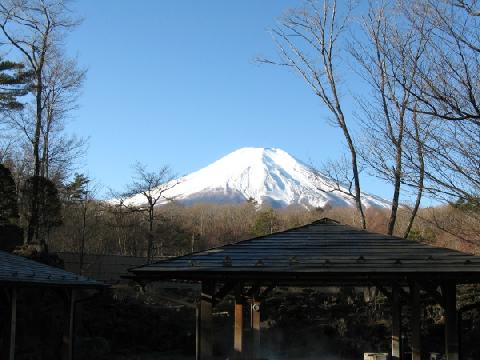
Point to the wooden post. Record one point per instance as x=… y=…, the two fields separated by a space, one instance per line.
x=70 y=336
x=13 y=322
x=68 y=332
x=415 y=320
x=204 y=319
x=197 y=332
x=459 y=329
x=238 y=328
x=451 y=328
x=255 y=325
x=396 y=322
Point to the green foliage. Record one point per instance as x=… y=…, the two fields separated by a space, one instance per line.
x=14 y=83
x=470 y=205
x=267 y=222
x=77 y=190
x=50 y=206
x=424 y=235
x=8 y=197
x=170 y=238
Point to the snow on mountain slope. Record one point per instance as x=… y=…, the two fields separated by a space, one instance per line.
x=270 y=176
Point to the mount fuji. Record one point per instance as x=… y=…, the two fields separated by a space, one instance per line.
x=270 y=176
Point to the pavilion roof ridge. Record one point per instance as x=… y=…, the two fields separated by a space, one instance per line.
x=325 y=220
x=321 y=221
x=324 y=251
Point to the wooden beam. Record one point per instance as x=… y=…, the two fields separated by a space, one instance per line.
x=238 y=328
x=13 y=322
x=415 y=320
x=255 y=325
x=205 y=322
x=451 y=326
x=396 y=322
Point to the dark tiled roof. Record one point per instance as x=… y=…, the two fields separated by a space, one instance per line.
x=323 y=249
x=19 y=270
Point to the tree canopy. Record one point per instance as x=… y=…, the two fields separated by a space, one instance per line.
x=8 y=197
x=14 y=84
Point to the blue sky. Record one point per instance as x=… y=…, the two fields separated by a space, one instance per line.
x=175 y=82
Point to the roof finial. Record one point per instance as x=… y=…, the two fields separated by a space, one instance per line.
x=325 y=221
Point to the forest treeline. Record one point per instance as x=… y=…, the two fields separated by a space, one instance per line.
x=180 y=229
x=415 y=126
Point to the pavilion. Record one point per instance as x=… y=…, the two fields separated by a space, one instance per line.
x=18 y=273
x=323 y=253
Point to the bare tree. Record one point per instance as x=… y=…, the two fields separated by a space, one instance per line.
x=336 y=176
x=307 y=40
x=428 y=54
x=79 y=195
x=35 y=28
x=7 y=143
x=62 y=84
x=446 y=88
x=387 y=54
x=146 y=191
x=471 y=7
x=447 y=82
x=415 y=160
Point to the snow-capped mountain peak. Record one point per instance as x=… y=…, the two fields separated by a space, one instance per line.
x=271 y=176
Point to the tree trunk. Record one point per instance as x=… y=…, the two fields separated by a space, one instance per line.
x=356 y=176
x=82 y=244
x=396 y=187
x=33 y=223
x=150 y=233
x=358 y=194
x=421 y=176
x=44 y=165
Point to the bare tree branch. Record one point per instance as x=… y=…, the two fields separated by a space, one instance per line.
x=306 y=39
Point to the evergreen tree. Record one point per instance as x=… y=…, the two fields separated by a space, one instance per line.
x=472 y=204
x=50 y=206
x=77 y=190
x=267 y=222
x=36 y=29
x=14 y=83
x=78 y=195
x=8 y=197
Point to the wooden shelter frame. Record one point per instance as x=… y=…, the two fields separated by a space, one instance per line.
x=17 y=273
x=324 y=253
